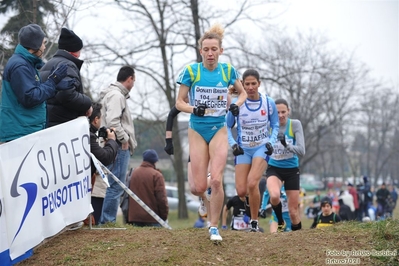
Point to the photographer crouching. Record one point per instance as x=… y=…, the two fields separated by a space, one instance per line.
x=104 y=146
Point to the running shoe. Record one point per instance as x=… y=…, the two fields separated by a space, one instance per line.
x=207 y=193
x=281 y=227
x=202 y=211
x=254 y=226
x=214 y=234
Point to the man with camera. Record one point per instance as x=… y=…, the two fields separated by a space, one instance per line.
x=104 y=152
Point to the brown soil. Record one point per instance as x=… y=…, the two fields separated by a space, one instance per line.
x=154 y=246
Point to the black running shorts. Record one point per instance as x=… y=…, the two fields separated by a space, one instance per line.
x=290 y=176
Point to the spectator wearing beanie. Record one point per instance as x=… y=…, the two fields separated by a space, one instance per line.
x=150 y=156
x=69 y=104
x=24 y=95
x=148 y=184
x=326 y=217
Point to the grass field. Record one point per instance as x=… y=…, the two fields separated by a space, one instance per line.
x=377 y=241
x=185 y=245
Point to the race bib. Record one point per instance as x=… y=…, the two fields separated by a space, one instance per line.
x=239 y=224
x=214 y=98
x=253 y=121
x=280 y=152
x=254 y=136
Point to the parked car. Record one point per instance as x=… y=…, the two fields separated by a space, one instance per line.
x=310 y=182
x=312 y=185
x=173 y=199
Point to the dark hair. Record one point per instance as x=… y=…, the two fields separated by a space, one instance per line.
x=96 y=111
x=124 y=73
x=251 y=72
x=324 y=201
x=281 y=101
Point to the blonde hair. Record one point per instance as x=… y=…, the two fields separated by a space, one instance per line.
x=215 y=32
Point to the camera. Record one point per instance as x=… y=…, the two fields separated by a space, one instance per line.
x=102 y=132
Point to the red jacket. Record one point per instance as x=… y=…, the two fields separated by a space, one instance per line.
x=148 y=184
x=353 y=192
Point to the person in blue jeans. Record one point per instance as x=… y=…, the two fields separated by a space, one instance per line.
x=116 y=115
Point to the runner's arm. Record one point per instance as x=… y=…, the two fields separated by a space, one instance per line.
x=274 y=122
x=299 y=147
x=169 y=122
x=181 y=104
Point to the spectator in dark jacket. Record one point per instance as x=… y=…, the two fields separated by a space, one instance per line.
x=345 y=211
x=24 y=94
x=70 y=104
x=367 y=196
x=105 y=153
x=382 y=196
x=148 y=184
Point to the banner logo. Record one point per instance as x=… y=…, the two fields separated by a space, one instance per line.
x=31 y=191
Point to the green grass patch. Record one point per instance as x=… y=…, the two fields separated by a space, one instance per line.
x=383 y=235
x=177 y=223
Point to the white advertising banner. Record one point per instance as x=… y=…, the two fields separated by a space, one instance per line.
x=45 y=184
x=4 y=255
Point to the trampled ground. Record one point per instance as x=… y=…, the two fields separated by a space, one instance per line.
x=150 y=246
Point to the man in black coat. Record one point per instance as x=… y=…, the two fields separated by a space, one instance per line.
x=68 y=104
x=366 y=197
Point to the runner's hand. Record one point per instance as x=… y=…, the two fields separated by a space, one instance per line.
x=237 y=150
x=199 y=110
x=281 y=138
x=247 y=219
x=234 y=109
x=169 y=146
x=269 y=149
